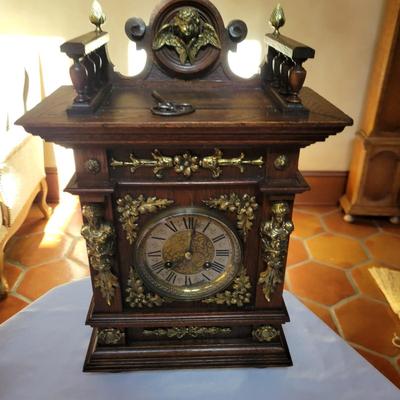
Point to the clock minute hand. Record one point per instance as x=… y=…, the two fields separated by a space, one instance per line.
x=192 y=234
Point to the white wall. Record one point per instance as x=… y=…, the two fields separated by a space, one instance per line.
x=343 y=32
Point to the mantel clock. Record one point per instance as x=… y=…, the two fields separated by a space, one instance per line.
x=187 y=176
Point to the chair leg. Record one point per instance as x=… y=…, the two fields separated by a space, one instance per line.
x=3 y=282
x=43 y=206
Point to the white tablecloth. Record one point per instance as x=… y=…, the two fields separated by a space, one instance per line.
x=42 y=351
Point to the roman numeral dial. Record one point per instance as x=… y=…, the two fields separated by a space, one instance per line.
x=188 y=253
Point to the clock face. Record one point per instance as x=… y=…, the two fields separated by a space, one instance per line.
x=188 y=253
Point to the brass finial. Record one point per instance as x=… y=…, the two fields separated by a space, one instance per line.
x=97 y=16
x=277 y=19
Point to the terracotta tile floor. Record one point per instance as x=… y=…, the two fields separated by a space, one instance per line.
x=327 y=270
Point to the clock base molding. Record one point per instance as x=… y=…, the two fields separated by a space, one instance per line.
x=210 y=353
x=164 y=319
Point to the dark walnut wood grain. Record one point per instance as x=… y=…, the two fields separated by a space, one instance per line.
x=234 y=117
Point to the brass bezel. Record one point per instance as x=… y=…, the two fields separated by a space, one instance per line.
x=170 y=292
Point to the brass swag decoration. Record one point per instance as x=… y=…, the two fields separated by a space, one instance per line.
x=243 y=206
x=192 y=331
x=265 y=333
x=137 y=296
x=187 y=33
x=110 y=336
x=187 y=164
x=100 y=242
x=131 y=209
x=239 y=295
x=216 y=161
x=275 y=240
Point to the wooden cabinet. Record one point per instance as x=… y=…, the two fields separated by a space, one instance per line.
x=187 y=218
x=374 y=181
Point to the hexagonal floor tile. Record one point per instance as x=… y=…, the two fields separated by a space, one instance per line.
x=11 y=273
x=34 y=222
x=320 y=283
x=38 y=249
x=382 y=365
x=366 y=283
x=79 y=252
x=318 y=210
x=387 y=227
x=306 y=225
x=297 y=252
x=10 y=306
x=370 y=324
x=39 y=280
x=74 y=224
x=386 y=248
x=321 y=312
x=360 y=228
x=337 y=250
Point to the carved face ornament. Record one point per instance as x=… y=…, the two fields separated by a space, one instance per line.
x=187 y=33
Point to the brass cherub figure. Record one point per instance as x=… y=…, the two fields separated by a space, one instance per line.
x=187 y=33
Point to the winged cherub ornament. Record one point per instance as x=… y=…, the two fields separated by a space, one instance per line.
x=187 y=33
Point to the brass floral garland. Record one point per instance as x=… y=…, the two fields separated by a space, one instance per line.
x=192 y=331
x=239 y=295
x=110 y=336
x=275 y=241
x=186 y=164
x=137 y=296
x=100 y=242
x=131 y=209
x=265 y=333
x=244 y=208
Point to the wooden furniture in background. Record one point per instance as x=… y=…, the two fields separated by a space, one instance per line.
x=374 y=181
x=237 y=153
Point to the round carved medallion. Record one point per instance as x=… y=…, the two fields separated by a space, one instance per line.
x=187 y=37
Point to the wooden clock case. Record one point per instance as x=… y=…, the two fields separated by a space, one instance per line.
x=237 y=153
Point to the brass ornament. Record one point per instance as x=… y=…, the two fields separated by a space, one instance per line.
x=110 y=336
x=97 y=16
x=281 y=162
x=187 y=33
x=158 y=163
x=93 y=166
x=131 y=209
x=192 y=331
x=277 y=19
x=265 y=333
x=239 y=295
x=186 y=164
x=137 y=296
x=100 y=243
x=216 y=161
x=244 y=207
x=275 y=241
